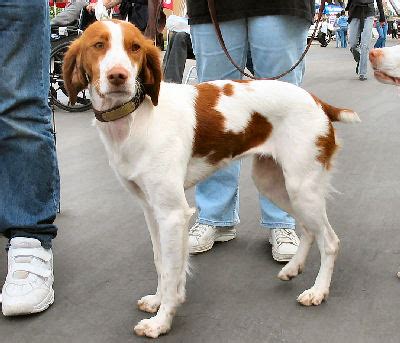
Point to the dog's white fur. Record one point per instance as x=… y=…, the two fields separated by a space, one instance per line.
x=386 y=64
x=151 y=151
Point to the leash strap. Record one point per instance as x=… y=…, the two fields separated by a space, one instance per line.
x=213 y=14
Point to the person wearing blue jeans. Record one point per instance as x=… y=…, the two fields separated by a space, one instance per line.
x=276 y=43
x=361 y=21
x=29 y=178
x=382 y=32
x=343 y=26
x=337 y=28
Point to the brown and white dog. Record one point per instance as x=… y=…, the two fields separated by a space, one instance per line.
x=162 y=138
x=386 y=64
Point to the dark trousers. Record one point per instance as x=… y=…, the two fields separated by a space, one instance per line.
x=178 y=50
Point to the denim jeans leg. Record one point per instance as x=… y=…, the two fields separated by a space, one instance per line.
x=273 y=52
x=338 y=38
x=354 y=38
x=366 y=36
x=343 y=37
x=29 y=177
x=272 y=217
x=217 y=197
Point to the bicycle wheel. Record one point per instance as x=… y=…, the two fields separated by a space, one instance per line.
x=58 y=93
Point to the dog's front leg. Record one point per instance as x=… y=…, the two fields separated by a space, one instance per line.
x=172 y=220
x=151 y=303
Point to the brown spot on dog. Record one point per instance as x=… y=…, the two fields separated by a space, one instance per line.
x=334 y=113
x=211 y=138
x=228 y=89
x=327 y=146
x=242 y=81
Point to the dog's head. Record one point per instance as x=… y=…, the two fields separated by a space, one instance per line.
x=110 y=58
x=386 y=64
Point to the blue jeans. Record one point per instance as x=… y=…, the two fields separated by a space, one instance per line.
x=382 y=31
x=29 y=179
x=337 y=37
x=276 y=43
x=343 y=37
x=360 y=41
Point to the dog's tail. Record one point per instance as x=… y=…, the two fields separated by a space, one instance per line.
x=337 y=114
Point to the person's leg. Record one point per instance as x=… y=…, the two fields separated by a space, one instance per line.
x=211 y=61
x=276 y=43
x=344 y=43
x=28 y=166
x=175 y=57
x=249 y=62
x=217 y=197
x=379 y=41
x=366 y=36
x=338 y=38
x=385 y=30
x=275 y=51
x=354 y=38
x=343 y=38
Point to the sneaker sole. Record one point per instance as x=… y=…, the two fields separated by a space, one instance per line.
x=280 y=257
x=18 y=310
x=203 y=248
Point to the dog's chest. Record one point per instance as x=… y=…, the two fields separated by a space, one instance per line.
x=123 y=150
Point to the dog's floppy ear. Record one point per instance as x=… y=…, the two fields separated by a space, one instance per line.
x=73 y=73
x=151 y=72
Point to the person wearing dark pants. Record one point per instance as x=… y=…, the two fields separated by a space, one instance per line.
x=179 y=49
x=29 y=178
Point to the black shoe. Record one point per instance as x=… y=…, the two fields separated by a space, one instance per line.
x=363 y=78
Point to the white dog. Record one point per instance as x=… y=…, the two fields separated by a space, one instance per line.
x=386 y=64
x=162 y=138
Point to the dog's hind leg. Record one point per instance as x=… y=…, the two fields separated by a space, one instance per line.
x=328 y=245
x=172 y=214
x=307 y=194
x=268 y=178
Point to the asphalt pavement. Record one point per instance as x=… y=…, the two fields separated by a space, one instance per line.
x=104 y=261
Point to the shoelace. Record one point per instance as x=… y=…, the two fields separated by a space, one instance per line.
x=285 y=236
x=197 y=230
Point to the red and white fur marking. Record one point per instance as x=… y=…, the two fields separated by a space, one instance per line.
x=386 y=64
x=181 y=134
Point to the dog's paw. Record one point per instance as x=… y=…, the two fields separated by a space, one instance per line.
x=312 y=296
x=290 y=271
x=149 y=303
x=151 y=328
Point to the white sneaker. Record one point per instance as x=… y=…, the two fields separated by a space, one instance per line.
x=29 y=283
x=203 y=236
x=284 y=244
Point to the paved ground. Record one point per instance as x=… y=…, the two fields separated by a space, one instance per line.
x=103 y=256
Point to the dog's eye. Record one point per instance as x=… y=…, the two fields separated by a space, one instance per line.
x=99 y=45
x=135 y=47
